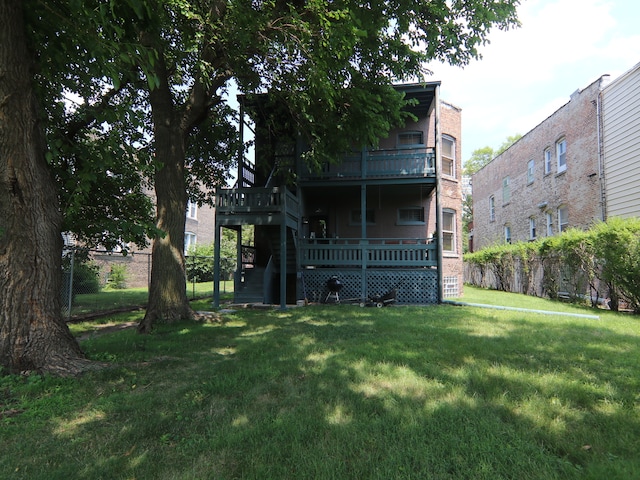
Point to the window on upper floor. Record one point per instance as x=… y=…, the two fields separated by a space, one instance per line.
x=413 y=137
x=549 y=225
x=547 y=161
x=507 y=233
x=530 y=171
x=189 y=241
x=561 y=154
x=532 y=228
x=563 y=218
x=411 y=216
x=506 y=190
x=448 y=156
x=448 y=231
x=192 y=209
x=492 y=208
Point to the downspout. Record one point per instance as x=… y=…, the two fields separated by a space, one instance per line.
x=599 y=120
x=438 y=141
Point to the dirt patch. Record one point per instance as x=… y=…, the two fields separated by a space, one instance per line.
x=99 y=330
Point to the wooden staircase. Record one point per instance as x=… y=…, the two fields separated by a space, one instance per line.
x=251 y=287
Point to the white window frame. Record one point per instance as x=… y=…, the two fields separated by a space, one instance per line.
x=547 y=160
x=450 y=157
x=492 y=208
x=563 y=218
x=530 y=171
x=561 y=154
x=506 y=190
x=192 y=210
x=549 y=224
x=449 y=233
x=190 y=240
x=507 y=233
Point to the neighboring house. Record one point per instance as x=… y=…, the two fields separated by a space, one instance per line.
x=377 y=219
x=549 y=180
x=621 y=145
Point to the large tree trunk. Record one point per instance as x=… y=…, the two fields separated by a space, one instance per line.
x=168 y=300
x=33 y=335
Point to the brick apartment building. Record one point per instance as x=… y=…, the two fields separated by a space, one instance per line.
x=579 y=166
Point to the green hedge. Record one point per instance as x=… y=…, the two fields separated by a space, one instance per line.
x=603 y=261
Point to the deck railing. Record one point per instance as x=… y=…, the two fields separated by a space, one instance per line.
x=409 y=162
x=255 y=200
x=372 y=252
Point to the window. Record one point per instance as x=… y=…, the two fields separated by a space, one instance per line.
x=448 y=156
x=549 y=225
x=561 y=152
x=507 y=233
x=192 y=209
x=547 y=161
x=532 y=228
x=189 y=241
x=563 y=219
x=492 y=208
x=450 y=286
x=530 y=171
x=410 y=138
x=411 y=216
x=356 y=217
x=449 y=231
x=506 y=191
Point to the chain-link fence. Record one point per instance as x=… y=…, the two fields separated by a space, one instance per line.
x=97 y=281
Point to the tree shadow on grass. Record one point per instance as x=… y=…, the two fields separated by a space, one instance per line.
x=443 y=392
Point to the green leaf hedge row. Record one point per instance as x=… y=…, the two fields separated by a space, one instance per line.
x=600 y=263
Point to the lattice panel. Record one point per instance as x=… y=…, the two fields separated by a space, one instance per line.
x=414 y=286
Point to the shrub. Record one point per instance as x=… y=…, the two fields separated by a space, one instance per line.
x=117 y=279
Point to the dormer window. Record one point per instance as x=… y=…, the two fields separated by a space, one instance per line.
x=410 y=138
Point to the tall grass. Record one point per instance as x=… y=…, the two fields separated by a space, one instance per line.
x=340 y=392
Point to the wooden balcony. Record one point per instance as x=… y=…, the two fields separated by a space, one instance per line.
x=371 y=253
x=254 y=205
x=378 y=164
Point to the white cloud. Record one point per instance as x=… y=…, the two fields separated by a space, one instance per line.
x=528 y=73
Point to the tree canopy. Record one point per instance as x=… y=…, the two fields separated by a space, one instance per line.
x=149 y=79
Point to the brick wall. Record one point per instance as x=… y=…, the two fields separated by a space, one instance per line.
x=577 y=188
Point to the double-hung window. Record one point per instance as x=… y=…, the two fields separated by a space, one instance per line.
x=192 y=209
x=189 y=241
x=561 y=153
x=506 y=191
x=563 y=219
x=448 y=231
x=492 y=208
x=532 y=228
x=547 y=161
x=507 y=233
x=549 y=224
x=530 y=171
x=448 y=156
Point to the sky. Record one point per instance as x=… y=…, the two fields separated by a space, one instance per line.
x=527 y=73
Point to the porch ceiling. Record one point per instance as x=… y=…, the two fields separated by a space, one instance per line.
x=337 y=191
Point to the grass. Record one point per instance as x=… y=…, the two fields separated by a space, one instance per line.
x=109 y=299
x=341 y=392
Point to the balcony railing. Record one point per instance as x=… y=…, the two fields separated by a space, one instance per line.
x=372 y=252
x=409 y=162
x=255 y=200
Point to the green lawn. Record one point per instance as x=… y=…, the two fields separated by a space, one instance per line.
x=342 y=392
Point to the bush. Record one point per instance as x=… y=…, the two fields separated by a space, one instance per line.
x=86 y=274
x=117 y=279
x=603 y=262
